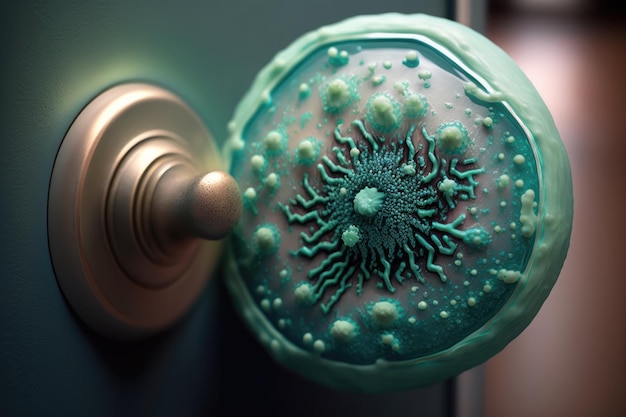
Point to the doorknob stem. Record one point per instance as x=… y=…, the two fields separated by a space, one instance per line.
x=137 y=203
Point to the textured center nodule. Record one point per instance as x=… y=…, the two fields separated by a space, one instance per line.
x=368 y=201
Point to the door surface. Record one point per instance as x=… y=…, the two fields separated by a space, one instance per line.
x=56 y=57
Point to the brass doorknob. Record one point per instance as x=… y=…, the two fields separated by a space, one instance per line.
x=137 y=200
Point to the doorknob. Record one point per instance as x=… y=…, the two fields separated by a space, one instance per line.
x=407 y=203
x=400 y=204
x=137 y=199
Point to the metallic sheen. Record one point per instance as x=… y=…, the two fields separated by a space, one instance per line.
x=136 y=189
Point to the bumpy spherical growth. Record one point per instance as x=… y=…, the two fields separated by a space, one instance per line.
x=395 y=203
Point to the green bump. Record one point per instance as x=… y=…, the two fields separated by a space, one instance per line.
x=411 y=60
x=509 y=277
x=304 y=91
x=378 y=80
x=266 y=239
x=452 y=137
x=424 y=75
x=477 y=237
x=384 y=313
x=351 y=236
x=257 y=162
x=447 y=186
x=336 y=95
x=368 y=201
x=308 y=151
x=337 y=58
x=383 y=112
x=304 y=294
x=274 y=142
x=409 y=169
x=415 y=105
x=343 y=331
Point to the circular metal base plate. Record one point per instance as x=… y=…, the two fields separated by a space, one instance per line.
x=119 y=284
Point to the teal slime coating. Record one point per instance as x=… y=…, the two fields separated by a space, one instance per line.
x=426 y=226
x=386 y=196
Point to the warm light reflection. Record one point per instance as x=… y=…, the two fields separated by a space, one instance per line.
x=570 y=360
x=554 y=62
x=550 y=5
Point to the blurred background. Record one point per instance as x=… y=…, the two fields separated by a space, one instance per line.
x=571 y=360
x=56 y=56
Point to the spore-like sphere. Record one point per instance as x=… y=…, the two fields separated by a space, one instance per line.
x=391 y=200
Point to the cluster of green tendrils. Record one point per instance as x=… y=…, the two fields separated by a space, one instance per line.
x=382 y=211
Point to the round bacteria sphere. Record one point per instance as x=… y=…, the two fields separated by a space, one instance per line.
x=408 y=203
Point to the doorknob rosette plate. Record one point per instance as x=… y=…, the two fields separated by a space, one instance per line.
x=122 y=273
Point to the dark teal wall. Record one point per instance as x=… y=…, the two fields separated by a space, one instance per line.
x=56 y=56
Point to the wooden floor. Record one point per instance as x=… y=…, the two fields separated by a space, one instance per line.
x=571 y=361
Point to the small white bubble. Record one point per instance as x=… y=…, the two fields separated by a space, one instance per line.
x=411 y=56
x=257 y=162
x=519 y=159
x=319 y=346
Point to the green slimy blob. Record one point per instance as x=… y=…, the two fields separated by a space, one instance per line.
x=453 y=137
x=411 y=59
x=383 y=112
x=266 y=239
x=343 y=331
x=337 y=95
x=304 y=91
x=337 y=58
x=308 y=151
x=368 y=201
x=274 y=142
x=415 y=105
x=303 y=294
x=351 y=236
x=400 y=201
x=384 y=313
